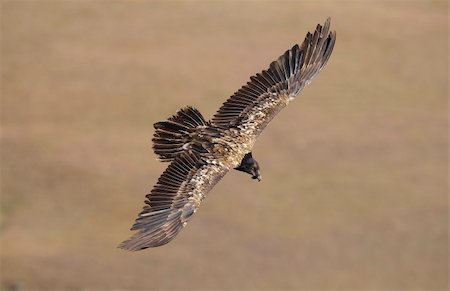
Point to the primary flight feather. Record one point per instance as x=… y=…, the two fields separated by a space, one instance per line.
x=201 y=152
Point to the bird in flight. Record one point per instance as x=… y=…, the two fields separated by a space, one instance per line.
x=201 y=152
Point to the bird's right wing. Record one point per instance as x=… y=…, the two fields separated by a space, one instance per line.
x=253 y=106
x=173 y=201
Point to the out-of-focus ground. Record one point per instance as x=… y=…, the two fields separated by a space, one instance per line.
x=354 y=190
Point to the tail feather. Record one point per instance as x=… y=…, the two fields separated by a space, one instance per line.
x=173 y=136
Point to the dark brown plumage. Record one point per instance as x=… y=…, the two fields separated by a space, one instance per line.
x=201 y=152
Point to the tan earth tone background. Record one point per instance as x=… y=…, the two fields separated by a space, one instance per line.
x=355 y=171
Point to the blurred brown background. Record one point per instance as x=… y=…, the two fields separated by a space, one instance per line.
x=354 y=194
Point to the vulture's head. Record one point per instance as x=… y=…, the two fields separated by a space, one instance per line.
x=250 y=165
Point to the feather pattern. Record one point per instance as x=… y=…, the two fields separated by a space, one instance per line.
x=173 y=200
x=177 y=134
x=201 y=152
x=284 y=80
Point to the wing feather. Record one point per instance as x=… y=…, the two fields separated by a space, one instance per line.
x=285 y=78
x=172 y=201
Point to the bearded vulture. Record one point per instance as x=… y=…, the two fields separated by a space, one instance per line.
x=201 y=152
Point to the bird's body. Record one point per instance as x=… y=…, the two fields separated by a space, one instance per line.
x=201 y=152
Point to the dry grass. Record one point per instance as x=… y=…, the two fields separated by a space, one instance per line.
x=355 y=171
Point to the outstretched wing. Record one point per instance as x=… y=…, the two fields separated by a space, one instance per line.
x=255 y=104
x=173 y=201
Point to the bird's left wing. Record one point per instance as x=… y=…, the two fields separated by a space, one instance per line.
x=173 y=201
x=252 y=107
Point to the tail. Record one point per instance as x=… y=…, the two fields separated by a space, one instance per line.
x=174 y=136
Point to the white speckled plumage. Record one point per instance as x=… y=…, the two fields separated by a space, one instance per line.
x=201 y=152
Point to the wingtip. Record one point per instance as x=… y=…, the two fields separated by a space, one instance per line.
x=123 y=246
x=132 y=245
